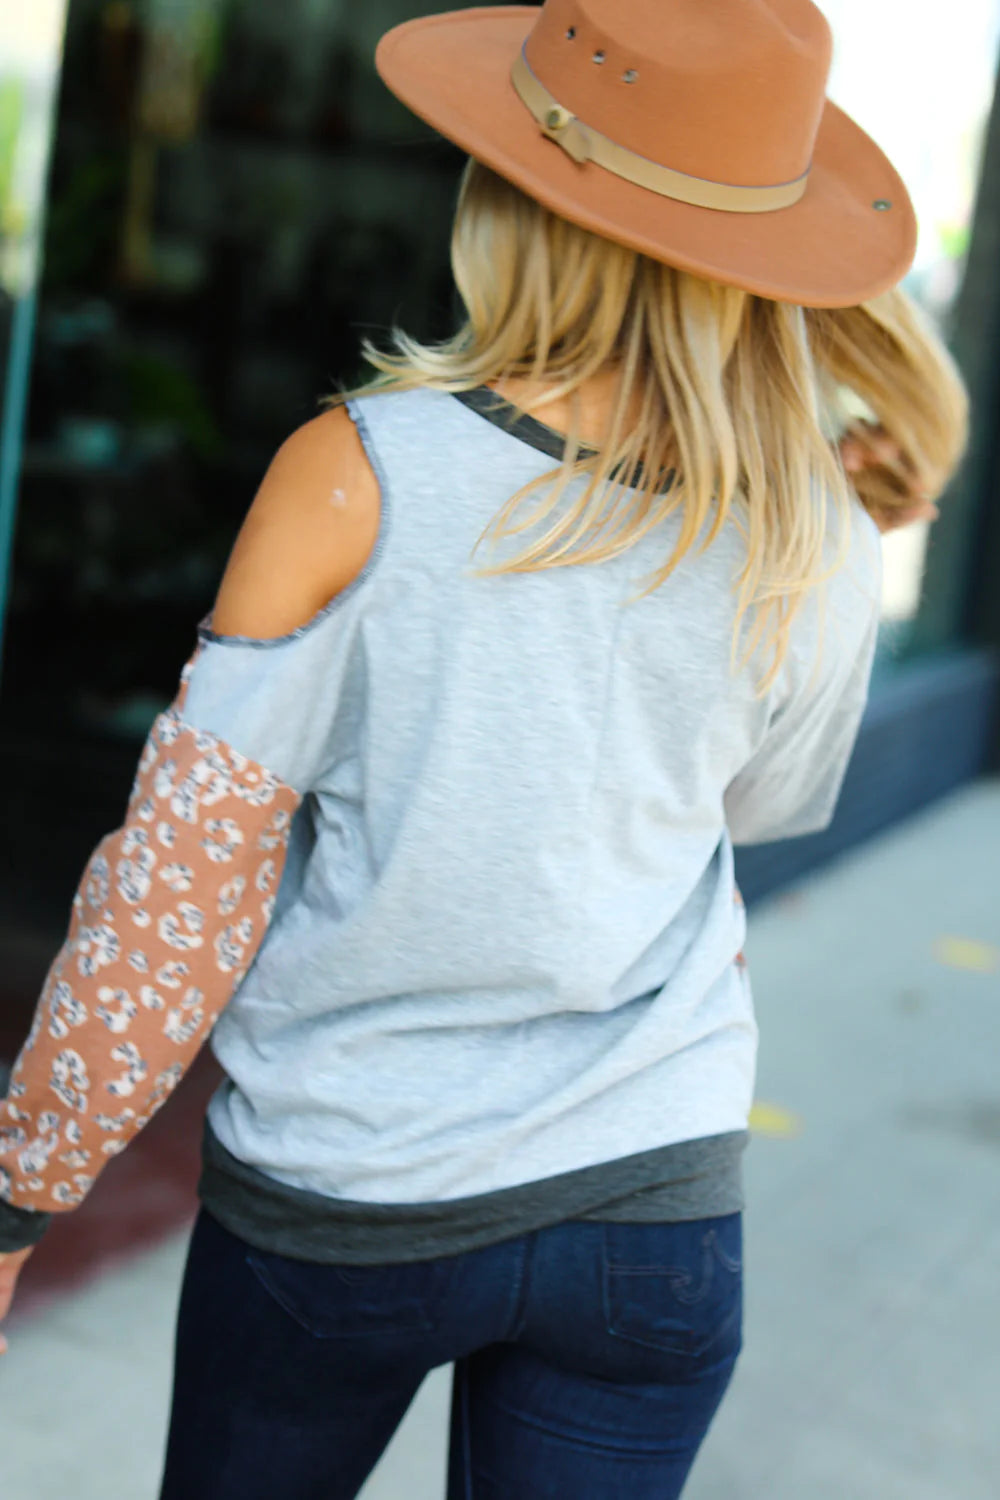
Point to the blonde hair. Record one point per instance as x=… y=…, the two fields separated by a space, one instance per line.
x=741 y=397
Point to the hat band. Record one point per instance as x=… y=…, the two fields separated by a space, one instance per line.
x=584 y=144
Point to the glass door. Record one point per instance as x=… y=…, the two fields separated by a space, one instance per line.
x=31 y=39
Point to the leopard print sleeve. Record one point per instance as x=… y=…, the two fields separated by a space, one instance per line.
x=169 y=913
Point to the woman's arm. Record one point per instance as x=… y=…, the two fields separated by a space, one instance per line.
x=173 y=905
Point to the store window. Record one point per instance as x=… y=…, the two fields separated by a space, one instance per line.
x=233 y=192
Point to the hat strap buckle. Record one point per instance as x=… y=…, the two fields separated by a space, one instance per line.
x=568 y=132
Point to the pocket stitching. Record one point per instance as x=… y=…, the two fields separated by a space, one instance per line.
x=616 y=1270
x=422 y=1322
x=665 y=1344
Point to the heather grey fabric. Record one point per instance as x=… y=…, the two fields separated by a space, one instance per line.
x=505 y=944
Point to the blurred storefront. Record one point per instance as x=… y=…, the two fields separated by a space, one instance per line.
x=202 y=202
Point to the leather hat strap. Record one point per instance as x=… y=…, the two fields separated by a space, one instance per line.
x=584 y=144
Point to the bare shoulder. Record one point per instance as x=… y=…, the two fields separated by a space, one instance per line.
x=308 y=534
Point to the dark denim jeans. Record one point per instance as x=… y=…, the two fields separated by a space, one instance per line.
x=589 y=1359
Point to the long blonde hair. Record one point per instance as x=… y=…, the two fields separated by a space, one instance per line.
x=742 y=398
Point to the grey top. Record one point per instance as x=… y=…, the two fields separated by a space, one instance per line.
x=506 y=947
x=505 y=944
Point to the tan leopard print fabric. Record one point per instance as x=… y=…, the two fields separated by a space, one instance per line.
x=169 y=914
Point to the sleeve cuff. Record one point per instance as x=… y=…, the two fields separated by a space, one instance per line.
x=20 y=1227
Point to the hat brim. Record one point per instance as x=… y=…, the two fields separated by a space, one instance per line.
x=831 y=249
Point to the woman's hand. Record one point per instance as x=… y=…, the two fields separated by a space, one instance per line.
x=10 y=1270
x=891 y=491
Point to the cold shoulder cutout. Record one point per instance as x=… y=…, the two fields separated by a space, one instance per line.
x=308 y=535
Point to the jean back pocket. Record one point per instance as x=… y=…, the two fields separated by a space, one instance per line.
x=676 y=1287
x=334 y=1301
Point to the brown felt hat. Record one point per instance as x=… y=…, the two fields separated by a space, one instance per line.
x=695 y=131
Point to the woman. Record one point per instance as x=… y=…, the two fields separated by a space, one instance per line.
x=444 y=853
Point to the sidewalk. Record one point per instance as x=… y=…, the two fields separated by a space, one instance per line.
x=871 y=1369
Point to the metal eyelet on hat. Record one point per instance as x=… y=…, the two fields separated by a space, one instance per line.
x=630 y=75
x=881 y=204
x=571 y=34
x=600 y=57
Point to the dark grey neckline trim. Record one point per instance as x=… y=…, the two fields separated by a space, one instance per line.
x=527 y=429
x=519 y=424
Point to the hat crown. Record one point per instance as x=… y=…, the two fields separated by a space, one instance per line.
x=731 y=91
